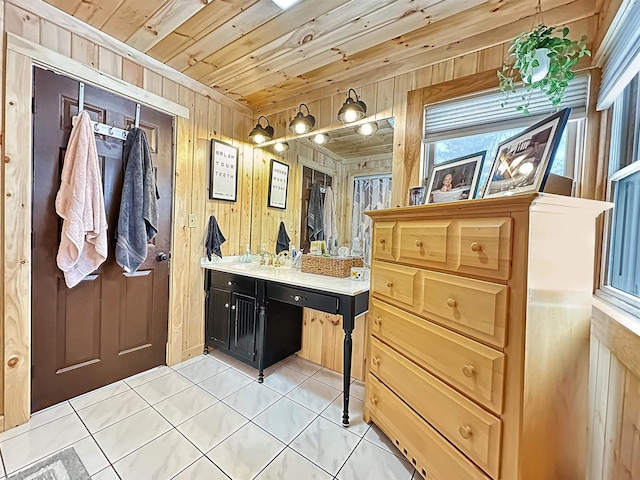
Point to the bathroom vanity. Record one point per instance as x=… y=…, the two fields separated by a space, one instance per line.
x=254 y=312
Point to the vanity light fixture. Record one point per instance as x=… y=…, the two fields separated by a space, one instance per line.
x=281 y=147
x=261 y=134
x=302 y=124
x=352 y=110
x=320 y=139
x=367 y=129
x=284 y=4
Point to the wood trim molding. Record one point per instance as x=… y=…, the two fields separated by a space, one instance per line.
x=56 y=61
x=74 y=25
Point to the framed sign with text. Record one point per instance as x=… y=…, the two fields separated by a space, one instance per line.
x=278 y=182
x=223 y=176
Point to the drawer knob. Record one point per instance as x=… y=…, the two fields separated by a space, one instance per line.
x=389 y=284
x=468 y=371
x=377 y=321
x=476 y=247
x=375 y=361
x=382 y=240
x=452 y=303
x=418 y=243
x=465 y=432
x=373 y=399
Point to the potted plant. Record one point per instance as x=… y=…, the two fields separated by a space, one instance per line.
x=542 y=60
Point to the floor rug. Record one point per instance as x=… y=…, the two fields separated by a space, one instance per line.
x=64 y=465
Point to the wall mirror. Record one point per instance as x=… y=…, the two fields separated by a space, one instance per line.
x=355 y=167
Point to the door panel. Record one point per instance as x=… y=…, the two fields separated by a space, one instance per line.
x=218 y=316
x=243 y=319
x=111 y=325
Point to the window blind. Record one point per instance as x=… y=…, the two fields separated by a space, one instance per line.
x=619 y=54
x=483 y=112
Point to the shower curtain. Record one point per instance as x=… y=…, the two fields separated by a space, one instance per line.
x=369 y=193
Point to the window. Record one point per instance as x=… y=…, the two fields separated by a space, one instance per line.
x=624 y=176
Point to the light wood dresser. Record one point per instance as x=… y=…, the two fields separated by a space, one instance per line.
x=478 y=345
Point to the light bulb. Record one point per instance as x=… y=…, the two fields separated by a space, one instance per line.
x=279 y=147
x=301 y=128
x=320 y=139
x=259 y=139
x=366 y=129
x=350 y=115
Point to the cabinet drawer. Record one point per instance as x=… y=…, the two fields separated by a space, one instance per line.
x=482 y=246
x=233 y=283
x=424 y=447
x=472 y=368
x=473 y=307
x=469 y=427
x=424 y=242
x=396 y=282
x=383 y=234
x=302 y=298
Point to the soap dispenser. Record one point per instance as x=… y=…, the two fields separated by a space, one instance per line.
x=246 y=257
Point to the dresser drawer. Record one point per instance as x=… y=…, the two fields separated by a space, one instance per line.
x=469 y=427
x=383 y=236
x=397 y=283
x=472 y=368
x=423 y=242
x=482 y=246
x=473 y=307
x=424 y=447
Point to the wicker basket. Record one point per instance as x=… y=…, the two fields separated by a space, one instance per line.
x=331 y=266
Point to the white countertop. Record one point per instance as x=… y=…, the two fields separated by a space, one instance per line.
x=284 y=274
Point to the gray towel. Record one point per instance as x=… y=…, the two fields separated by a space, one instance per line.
x=282 y=243
x=215 y=238
x=314 y=214
x=138 y=218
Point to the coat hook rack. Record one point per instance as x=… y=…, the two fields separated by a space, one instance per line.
x=103 y=128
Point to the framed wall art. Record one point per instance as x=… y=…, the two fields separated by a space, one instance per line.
x=223 y=172
x=278 y=184
x=455 y=180
x=416 y=195
x=522 y=162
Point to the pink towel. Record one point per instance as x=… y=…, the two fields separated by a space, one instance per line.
x=80 y=203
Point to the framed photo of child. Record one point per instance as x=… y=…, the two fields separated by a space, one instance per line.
x=455 y=180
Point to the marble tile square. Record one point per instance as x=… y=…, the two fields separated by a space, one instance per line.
x=252 y=399
x=122 y=438
x=149 y=375
x=252 y=373
x=213 y=425
x=107 y=474
x=91 y=456
x=38 y=443
x=303 y=365
x=285 y=419
x=225 y=383
x=2 y=473
x=184 y=405
x=83 y=401
x=357 y=390
x=38 y=419
x=190 y=361
x=290 y=465
x=245 y=453
x=331 y=378
x=163 y=458
x=223 y=357
x=199 y=371
x=203 y=469
x=284 y=380
x=356 y=409
x=314 y=395
x=377 y=437
x=326 y=444
x=112 y=410
x=164 y=387
x=373 y=463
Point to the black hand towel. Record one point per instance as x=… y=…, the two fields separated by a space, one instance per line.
x=283 y=239
x=215 y=238
x=138 y=217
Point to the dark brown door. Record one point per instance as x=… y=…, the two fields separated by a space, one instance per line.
x=309 y=177
x=111 y=325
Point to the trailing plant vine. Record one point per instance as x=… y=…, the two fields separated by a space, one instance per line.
x=563 y=54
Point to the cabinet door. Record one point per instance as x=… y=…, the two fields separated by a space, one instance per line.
x=218 y=308
x=243 y=323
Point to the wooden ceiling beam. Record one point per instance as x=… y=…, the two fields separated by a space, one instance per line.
x=271 y=99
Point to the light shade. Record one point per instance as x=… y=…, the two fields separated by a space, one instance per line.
x=320 y=139
x=302 y=124
x=367 y=129
x=284 y=4
x=352 y=110
x=281 y=147
x=261 y=134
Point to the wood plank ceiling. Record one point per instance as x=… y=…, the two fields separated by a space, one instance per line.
x=254 y=52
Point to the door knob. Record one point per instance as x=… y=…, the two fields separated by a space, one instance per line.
x=162 y=257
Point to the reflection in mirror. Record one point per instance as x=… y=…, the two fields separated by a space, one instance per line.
x=357 y=170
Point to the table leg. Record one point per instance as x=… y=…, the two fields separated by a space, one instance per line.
x=260 y=335
x=346 y=375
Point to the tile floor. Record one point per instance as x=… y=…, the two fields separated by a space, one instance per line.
x=209 y=419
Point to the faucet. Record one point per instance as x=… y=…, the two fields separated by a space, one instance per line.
x=277 y=262
x=263 y=261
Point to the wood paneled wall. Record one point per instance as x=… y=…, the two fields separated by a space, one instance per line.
x=210 y=116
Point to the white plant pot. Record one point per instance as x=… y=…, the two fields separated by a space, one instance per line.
x=539 y=72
